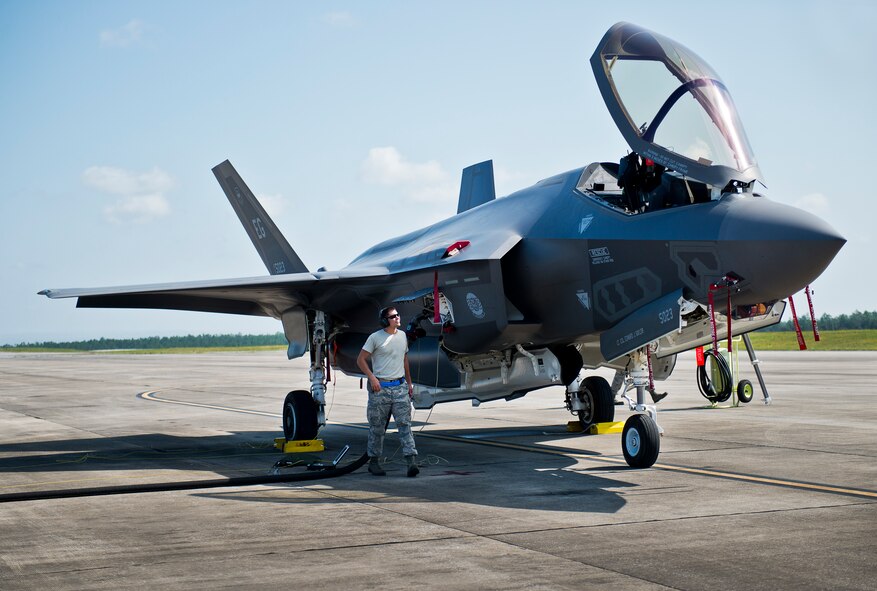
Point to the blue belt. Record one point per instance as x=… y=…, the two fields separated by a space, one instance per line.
x=391 y=383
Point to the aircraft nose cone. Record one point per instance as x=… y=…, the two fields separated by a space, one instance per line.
x=777 y=249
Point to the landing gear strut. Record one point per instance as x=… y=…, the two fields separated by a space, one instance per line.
x=641 y=437
x=318 y=373
x=303 y=411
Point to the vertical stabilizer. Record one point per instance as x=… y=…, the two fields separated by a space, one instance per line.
x=275 y=251
x=476 y=186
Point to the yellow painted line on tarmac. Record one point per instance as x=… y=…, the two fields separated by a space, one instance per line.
x=151 y=395
x=773 y=481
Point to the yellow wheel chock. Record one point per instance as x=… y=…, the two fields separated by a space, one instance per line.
x=301 y=446
x=597 y=428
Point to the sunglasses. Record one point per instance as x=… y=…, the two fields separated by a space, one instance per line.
x=392 y=316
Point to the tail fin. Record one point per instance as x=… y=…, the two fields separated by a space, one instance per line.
x=275 y=251
x=476 y=186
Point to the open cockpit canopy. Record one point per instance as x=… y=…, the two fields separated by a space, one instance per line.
x=672 y=107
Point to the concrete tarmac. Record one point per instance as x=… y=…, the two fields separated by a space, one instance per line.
x=754 y=497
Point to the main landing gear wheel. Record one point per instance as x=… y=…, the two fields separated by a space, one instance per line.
x=598 y=403
x=640 y=441
x=744 y=391
x=299 y=416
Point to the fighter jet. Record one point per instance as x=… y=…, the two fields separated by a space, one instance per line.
x=619 y=264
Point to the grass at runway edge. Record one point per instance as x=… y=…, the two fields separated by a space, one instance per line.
x=830 y=340
x=168 y=351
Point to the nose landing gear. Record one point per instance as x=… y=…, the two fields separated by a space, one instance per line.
x=593 y=400
x=641 y=436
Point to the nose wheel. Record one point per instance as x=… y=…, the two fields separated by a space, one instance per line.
x=640 y=441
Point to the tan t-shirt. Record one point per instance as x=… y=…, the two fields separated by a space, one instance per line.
x=388 y=354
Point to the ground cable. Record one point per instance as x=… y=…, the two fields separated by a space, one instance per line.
x=184 y=485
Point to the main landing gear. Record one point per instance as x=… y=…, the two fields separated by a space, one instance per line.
x=303 y=411
x=592 y=400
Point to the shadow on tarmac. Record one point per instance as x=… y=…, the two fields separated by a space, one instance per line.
x=132 y=452
x=452 y=470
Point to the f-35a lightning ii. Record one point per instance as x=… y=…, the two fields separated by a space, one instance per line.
x=609 y=265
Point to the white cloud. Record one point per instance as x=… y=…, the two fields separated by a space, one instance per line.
x=124 y=182
x=442 y=193
x=424 y=183
x=386 y=166
x=123 y=36
x=141 y=194
x=507 y=181
x=274 y=205
x=139 y=208
x=339 y=18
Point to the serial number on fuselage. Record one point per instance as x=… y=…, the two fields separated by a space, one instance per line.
x=665 y=316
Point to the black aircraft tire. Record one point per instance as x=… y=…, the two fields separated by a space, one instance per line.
x=640 y=441
x=744 y=391
x=596 y=395
x=299 y=416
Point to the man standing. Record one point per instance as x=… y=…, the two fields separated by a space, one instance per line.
x=389 y=390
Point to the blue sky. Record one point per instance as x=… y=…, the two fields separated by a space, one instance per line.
x=352 y=121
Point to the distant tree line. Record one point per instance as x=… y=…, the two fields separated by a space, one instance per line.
x=855 y=321
x=188 y=341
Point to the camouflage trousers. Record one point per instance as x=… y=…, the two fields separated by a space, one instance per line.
x=380 y=405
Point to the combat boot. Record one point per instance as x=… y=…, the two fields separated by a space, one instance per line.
x=656 y=398
x=413 y=470
x=374 y=467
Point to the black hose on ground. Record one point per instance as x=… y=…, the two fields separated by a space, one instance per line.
x=184 y=485
x=704 y=381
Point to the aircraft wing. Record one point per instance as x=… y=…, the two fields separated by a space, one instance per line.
x=256 y=296
x=462 y=254
x=352 y=295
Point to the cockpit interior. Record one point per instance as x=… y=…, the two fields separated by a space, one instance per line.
x=640 y=185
